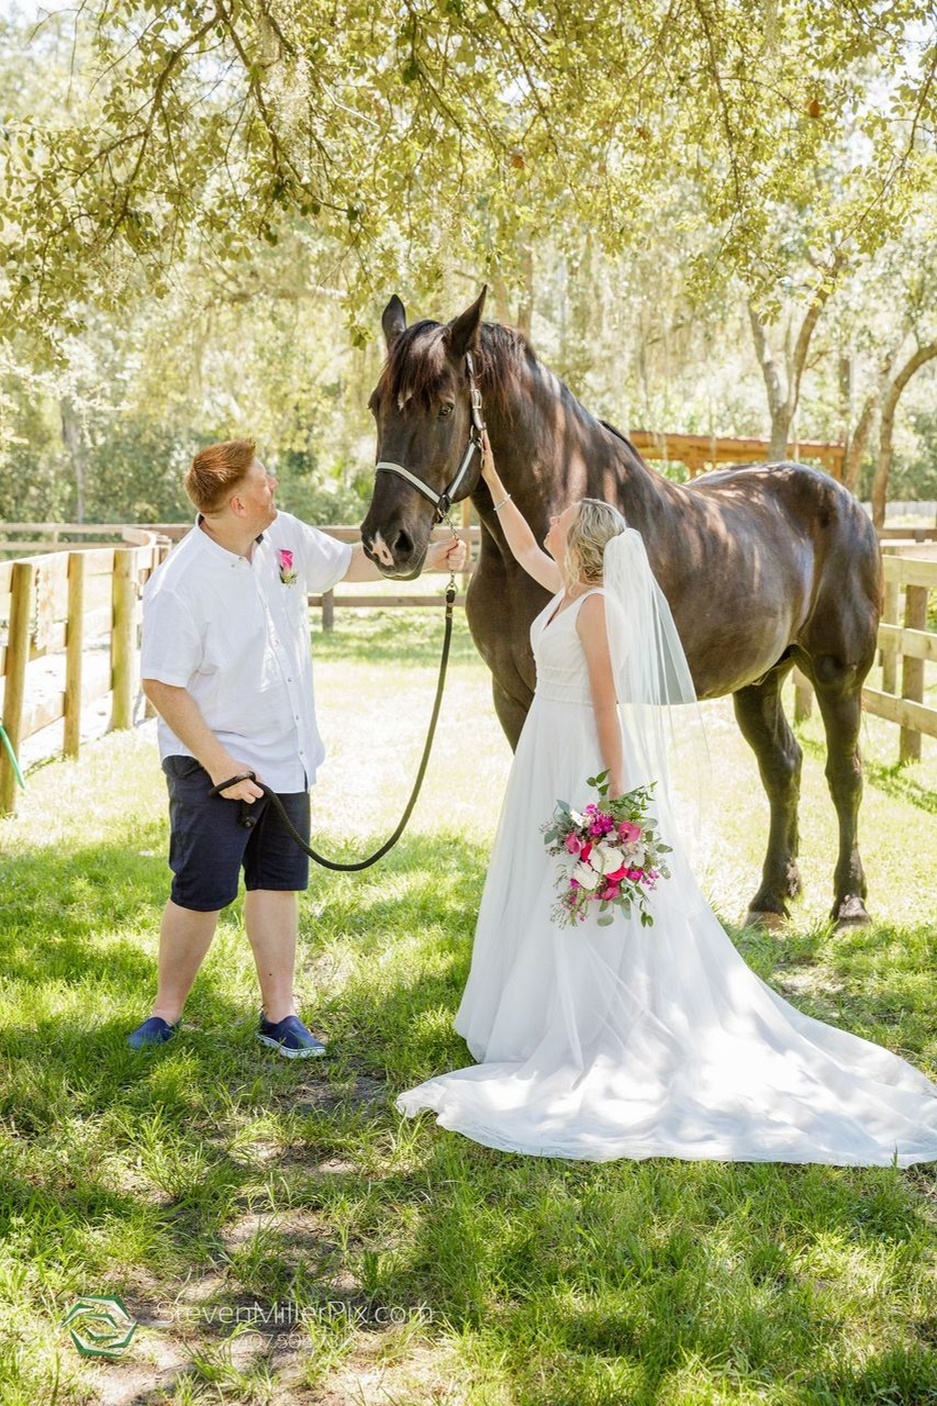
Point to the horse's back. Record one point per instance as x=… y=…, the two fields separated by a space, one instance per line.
x=812 y=513
x=810 y=503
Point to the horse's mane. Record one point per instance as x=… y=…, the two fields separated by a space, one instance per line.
x=419 y=368
x=620 y=434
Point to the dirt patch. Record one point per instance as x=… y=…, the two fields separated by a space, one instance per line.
x=362 y=1091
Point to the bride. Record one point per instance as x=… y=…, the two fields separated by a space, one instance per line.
x=599 y=1042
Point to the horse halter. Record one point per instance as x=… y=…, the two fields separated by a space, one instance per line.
x=442 y=502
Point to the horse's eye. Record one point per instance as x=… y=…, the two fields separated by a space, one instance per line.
x=445 y=410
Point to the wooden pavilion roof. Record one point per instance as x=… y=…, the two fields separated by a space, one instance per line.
x=700 y=452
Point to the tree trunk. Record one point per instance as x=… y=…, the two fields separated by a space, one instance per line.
x=782 y=403
x=886 y=432
x=525 y=306
x=502 y=300
x=779 y=407
x=77 y=450
x=845 y=410
x=858 y=441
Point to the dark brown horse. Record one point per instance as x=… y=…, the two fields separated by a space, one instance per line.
x=765 y=566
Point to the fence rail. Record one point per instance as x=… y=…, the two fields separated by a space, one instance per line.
x=30 y=539
x=905 y=641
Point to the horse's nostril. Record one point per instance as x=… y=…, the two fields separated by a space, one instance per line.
x=403 y=547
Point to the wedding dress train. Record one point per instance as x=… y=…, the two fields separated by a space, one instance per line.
x=627 y=1041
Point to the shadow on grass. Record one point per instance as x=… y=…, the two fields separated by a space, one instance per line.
x=604 y=1280
x=607 y=1281
x=904 y=1375
x=78 y=977
x=894 y=780
x=150 y=1138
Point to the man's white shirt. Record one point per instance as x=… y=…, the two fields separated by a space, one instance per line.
x=236 y=637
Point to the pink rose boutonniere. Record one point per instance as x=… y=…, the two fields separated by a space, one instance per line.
x=285 y=563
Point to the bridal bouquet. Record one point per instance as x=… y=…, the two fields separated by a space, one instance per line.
x=610 y=854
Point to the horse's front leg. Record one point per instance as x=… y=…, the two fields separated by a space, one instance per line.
x=839 y=694
x=764 y=726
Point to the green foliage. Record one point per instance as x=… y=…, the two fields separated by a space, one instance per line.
x=914 y=471
x=187 y=133
x=203 y=208
x=914 y=474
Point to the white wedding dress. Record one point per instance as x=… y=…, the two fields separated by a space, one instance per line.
x=627 y=1041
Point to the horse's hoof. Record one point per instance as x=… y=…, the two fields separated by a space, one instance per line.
x=764 y=918
x=850 y=913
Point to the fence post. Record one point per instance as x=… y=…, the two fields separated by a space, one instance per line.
x=912 y=671
x=160 y=552
x=328 y=610
x=14 y=695
x=74 y=653
x=123 y=636
x=889 y=652
x=803 y=696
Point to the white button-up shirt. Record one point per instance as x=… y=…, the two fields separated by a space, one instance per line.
x=235 y=635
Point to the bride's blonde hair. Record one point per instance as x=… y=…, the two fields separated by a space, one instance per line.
x=594 y=525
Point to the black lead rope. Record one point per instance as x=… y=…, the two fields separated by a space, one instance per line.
x=249 y=820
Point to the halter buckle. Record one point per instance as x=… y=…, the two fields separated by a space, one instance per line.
x=478 y=418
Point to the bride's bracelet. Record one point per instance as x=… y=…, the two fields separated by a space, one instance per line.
x=505 y=499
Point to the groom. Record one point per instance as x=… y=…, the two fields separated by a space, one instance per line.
x=227 y=665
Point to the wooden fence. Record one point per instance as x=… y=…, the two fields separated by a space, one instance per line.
x=906 y=645
x=30 y=539
x=79 y=611
x=905 y=535
x=78 y=604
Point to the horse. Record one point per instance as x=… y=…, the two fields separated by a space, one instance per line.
x=765 y=565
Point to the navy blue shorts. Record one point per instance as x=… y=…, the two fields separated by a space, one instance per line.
x=208 y=845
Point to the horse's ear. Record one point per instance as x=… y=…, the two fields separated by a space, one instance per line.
x=462 y=332
x=394 y=321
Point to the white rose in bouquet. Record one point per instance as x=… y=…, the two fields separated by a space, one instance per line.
x=606 y=858
x=585 y=876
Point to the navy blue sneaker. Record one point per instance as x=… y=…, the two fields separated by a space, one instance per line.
x=289 y=1037
x=154 y=1031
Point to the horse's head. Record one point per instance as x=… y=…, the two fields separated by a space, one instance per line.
x=423 y=411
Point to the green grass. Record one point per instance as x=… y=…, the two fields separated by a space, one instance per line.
x=210 y=1182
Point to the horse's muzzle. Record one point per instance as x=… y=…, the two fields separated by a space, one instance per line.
x=396 y=555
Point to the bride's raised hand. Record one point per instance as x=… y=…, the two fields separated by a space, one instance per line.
x=489 y=472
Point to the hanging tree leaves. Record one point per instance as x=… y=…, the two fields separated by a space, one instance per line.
x=406 y=136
